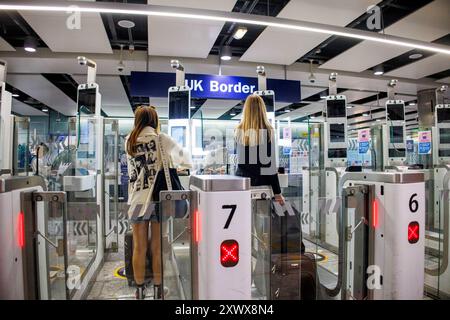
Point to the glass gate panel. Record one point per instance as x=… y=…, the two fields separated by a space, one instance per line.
x=79 y=180
x=111 y=184
x=21 y=146
x=178 y=240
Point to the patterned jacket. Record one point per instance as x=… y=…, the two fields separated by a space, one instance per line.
x=143 y=167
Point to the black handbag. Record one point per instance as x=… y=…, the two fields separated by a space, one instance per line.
x=167 y=180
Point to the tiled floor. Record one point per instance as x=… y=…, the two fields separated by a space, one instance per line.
x=110 y=287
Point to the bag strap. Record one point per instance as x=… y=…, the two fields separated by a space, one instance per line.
x=165 y=163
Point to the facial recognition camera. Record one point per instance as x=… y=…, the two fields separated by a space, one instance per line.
x=82 y=61
x=120 y=67
x=175 y=64
x=333 y=76
x=260 y=70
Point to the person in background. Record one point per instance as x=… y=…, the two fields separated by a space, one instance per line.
x=144 y=162
x=256 y=147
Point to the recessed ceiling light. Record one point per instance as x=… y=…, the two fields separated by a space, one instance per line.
x=378 y=119
x=30 y=44
x=411 y=104
x=287 y=110
x=192 y=107
x=127 y=24
x=323 y=97
x=365 y=114
x=15 y=95
x=415 y=56
x=225 y=53
x=240 y=33
x=44 y=109
x=378 y=70
x=349 y=106
x=233 y=114
x=312 y=117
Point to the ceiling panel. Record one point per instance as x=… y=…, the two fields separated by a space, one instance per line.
x=303 y=111
x=352 y=95
x=114 y=98
x=37 y=87
x=25 y=110
x=214 y=108
x=310 y=91
x=281 y=46
x=422 y=68
x=52 y=27
x=5 y=46
x=419 y=26
x=445 y=80
x=176 y=37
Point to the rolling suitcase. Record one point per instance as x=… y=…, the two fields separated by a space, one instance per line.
x=128 y=253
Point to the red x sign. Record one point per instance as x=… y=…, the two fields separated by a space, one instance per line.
x=413 y=232
x=229 y=253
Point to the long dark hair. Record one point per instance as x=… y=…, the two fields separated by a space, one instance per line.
x=143 y=117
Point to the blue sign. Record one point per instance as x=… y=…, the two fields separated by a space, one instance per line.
x=286 y=151
x=424 y=147
x=410 y=145
x=363 y=147
x=156 y=84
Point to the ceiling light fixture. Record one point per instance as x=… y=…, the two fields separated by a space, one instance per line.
x=232 y=113
x=287 y=110
x=225 y=53
x=30 y=44
x=149 y=10
x=240 y=33
x=44 y=109
x=412 y=103
x=15 y=95
x=416 y=56
x=127 y=24
x=378 y=70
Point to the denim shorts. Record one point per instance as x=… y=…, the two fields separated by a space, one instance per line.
x=151 y=216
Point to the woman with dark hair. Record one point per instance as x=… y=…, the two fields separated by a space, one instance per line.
x=144 y=162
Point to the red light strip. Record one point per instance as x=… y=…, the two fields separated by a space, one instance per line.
x=197 y=233
x=375 y=214
x=21 y=230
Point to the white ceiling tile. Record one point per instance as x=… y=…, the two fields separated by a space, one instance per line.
x=37 y=87
x=445 y=80
x=175 y=37
x=5 y=46
x=52 y=27
x=419 y=26
x=352 y=95
x=281 y=46
x=422 y=68
x=309 y=91
x=25 y=110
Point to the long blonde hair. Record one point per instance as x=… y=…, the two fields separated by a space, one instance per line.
x=143 y=117
x=254 y=119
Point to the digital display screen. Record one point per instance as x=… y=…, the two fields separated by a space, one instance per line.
x=397 y=153
x=269 y=101
x=337 y=153
x=444 y=152
x=337 y=132
x=396 y=112
x=396 y=134
x=444 y=135
x=179 y=104
x=86 y=101
x=179 y=135
x=336 y=108
x=443 y=115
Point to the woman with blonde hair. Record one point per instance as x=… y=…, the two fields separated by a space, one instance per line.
x=144 y=146
x=255 y=139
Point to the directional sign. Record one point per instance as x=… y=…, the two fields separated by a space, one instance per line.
x=424 y=142
x=363 y=140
